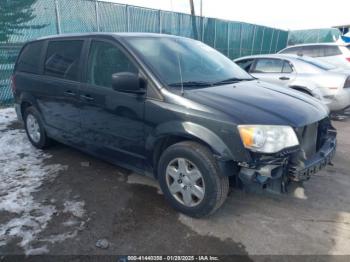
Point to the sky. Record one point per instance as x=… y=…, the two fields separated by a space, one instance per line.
x=288 y=15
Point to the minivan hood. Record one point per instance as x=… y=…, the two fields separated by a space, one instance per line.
x=255 y=102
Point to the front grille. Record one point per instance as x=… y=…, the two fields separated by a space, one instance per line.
x=309 y=139
x=313 y=136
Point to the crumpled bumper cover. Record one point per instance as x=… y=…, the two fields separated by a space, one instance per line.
x=317 y=162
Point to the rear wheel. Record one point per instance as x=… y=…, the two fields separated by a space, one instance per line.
x=190 y=179
x=35 y=128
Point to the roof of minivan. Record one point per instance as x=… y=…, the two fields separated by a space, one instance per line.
x=122 y=35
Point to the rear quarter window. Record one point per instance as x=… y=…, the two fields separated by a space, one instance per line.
x=29 y=59
x=332 y=51
x=63 y=58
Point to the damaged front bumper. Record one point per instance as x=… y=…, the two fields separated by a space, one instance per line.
x=275 y=172
x=310 y=166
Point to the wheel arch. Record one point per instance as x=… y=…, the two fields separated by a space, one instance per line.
x=173 y=132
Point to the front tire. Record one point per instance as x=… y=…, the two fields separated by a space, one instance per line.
x=190 y=179
x=34 y=127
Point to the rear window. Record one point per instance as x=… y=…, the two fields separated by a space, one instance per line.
x=29 y=59
x=62 y=59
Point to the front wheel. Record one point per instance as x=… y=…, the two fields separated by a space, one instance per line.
x=190 y=179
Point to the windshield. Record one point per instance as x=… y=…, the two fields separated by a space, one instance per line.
x=184 y=62
x=317 y=63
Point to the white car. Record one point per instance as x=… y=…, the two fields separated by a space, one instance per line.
x=334 y=53
x=310 y=76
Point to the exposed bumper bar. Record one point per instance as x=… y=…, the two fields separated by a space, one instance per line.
x=317 y=162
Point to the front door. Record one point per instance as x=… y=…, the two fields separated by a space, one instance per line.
x=273 y=70
x=112 y=120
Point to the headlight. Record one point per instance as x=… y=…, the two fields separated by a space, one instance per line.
x=267 y=139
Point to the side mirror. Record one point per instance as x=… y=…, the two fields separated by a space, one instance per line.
x=128 y=82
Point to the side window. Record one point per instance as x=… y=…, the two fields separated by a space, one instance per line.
x=287 y=67
x=62 y=59
x=312 y=51
x=332 y=51
x=246 y=64
x=106 y=59
x=265 y=65
x=29 y=60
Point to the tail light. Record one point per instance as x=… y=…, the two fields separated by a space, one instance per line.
x=348 y=58
x=13 y=84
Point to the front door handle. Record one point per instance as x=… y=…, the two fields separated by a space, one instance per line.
x=87 y=97
x=69 y=93
x=284 y=78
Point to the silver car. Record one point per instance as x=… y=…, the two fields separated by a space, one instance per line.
x=313 y=77
x=333 y=53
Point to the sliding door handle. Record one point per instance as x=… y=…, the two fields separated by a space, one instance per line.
x=87 y=97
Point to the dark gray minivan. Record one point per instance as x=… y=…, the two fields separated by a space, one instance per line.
x=171 y=108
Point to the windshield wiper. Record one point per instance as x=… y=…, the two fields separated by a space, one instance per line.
x=232 y=80
x=190 y=84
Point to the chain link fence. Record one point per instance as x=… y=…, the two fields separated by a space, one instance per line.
x=30 y=19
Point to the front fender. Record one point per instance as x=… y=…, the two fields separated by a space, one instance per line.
x=190 y=130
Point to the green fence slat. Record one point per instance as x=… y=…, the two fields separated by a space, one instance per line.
x=112 y=17
x=46 y=17
x=77 y=16
x=143 y=20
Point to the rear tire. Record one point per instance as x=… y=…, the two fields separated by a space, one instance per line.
x=198 y=188
x=34 y=127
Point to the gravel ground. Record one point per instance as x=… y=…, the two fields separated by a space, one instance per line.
x=64 y=202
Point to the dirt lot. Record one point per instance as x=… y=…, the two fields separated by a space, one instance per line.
x=62 y=201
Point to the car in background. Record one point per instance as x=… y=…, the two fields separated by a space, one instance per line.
x=310 y=76
x=334 y=53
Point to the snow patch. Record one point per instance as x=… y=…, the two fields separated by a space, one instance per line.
x=7 y=115
x=22 y=173
x=75 y=207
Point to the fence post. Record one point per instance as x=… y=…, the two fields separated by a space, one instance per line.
x=58 y=18
x=127 y=18
x=202 y=20
x=253 y=42
x=160 y=21
x=228 y=39
x=273 y=32
x=278 y=38
x=240 y=41
x=215 y=33
x=262 y=40
x=97 y=16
